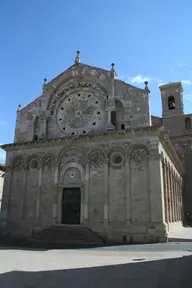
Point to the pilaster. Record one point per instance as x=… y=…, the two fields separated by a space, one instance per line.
x=128 y=192
x=38 y=203
x=86 y=193
x=106 y=194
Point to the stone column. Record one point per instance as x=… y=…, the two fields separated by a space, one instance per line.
x=86 y=193
x=176 y=206
x=165 y=192
x=178 y=201
x=155 y=189
x=181 y=200
x=106 y=195
x=169 y=192
x=172 y=196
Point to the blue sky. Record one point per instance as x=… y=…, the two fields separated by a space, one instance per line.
x=145 y=39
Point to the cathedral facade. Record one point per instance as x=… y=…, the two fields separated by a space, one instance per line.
x=88 y=152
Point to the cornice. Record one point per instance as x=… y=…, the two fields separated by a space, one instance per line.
x=130 y=133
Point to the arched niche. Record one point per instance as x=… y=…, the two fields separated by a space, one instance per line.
x=119 y=115
x=187 y=123
x=71 y=174
x=71 y=154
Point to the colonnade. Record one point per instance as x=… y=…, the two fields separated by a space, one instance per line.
x=172 y=194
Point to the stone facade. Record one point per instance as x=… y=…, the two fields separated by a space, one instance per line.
x=121 y=176
x=93 y=132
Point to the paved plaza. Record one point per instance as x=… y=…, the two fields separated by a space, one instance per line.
x=157 y=265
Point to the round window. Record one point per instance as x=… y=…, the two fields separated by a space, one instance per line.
x=34 y=164
x=117 y=159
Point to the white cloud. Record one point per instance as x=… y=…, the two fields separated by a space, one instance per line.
x=187 y=82
x=188 y=96
x=181 y=64
x=171 y=69
x=141 y=79
x=2 y=123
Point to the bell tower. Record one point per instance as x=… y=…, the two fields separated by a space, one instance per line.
x=172 y=99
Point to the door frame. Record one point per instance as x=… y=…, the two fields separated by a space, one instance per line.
x=60 y=202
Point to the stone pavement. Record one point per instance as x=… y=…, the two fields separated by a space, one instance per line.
x=181 y=234
x=158 y=265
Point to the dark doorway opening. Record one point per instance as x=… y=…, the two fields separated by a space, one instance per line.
x=71 y=206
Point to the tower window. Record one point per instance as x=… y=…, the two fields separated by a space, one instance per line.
x=187 y=123
x=171 y=103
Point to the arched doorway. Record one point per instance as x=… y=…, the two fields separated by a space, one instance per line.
x=71 y=194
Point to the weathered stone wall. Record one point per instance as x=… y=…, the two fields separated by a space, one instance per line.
x=119 y=175
x=41 y=120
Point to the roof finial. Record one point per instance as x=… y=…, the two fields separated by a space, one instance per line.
x=77 y=58
x=113 y=73
x=44 y=83
x=19 y=108
x=146 y=87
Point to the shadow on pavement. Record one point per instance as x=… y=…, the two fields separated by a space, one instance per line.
x=166 y=273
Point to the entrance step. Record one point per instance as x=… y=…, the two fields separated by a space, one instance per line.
x=76 y=236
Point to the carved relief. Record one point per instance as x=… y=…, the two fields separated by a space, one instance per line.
x=80 y=112
x=72 y=175
x=33 y=162
x=76 y=84
x=49 y=161
x=18 y=163
x=96 y=157
x=72 y=153
x=139 y=153
x=117 y=155
x=69 y=175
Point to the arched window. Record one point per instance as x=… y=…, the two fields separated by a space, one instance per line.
x=187 y=123
x=171 y=103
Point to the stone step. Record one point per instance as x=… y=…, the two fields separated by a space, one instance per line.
x=76 y=235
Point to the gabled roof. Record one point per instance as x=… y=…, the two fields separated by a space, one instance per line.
x=79 y=65
x=72 y=67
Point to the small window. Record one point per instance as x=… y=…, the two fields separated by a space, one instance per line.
x=171 y=103
x=187 y=123
x=122 y=126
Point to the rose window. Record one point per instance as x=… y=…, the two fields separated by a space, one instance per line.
x=79 y=113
